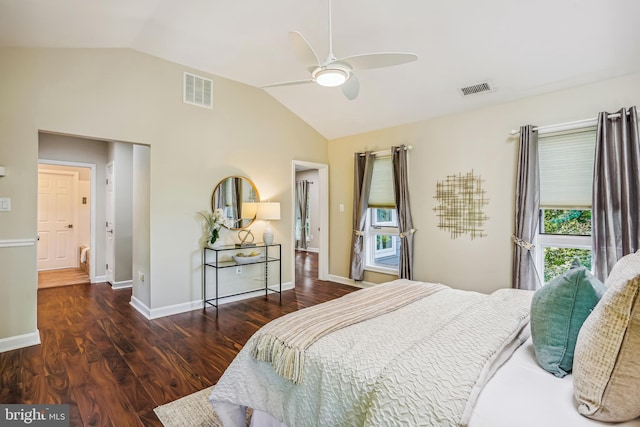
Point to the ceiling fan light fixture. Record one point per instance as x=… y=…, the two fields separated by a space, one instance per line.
x=331 y=77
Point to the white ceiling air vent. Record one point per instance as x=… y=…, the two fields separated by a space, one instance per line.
x=476 y=89
x=198 y=91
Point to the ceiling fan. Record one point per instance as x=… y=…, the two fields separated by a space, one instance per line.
x=339 y=72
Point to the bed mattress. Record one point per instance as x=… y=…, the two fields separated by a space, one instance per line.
x=519 y=394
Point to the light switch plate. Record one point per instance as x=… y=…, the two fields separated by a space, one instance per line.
x=5 y=204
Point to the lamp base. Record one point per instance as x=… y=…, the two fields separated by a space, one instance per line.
x=267 y=236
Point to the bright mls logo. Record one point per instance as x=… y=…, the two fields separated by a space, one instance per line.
x=34 y=415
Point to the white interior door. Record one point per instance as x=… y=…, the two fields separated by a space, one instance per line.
x=110 y=231
x=57 y=244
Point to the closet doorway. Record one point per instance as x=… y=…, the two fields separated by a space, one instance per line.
x=311 y=218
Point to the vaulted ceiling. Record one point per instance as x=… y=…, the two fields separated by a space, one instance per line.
x=521 y=47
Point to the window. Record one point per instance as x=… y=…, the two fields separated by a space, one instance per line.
x=566 y=178
x=382 y=242
x=565 y=234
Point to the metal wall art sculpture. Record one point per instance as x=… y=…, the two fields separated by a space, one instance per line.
x=461 y=201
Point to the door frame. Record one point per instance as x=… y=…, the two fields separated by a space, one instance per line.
x=323 y=255
x=92 y=206
x=110 y=241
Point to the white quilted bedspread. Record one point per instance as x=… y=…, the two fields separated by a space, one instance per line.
x=423 y=364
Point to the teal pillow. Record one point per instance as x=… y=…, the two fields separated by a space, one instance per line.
x=558 y=310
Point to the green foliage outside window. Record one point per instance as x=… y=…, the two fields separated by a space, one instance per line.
x=383 y=215
x=565 y=221
x=558 y=260
x=568 y=222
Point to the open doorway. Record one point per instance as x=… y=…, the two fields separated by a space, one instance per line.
x=64 y=222
x=310 y=226
x=64 y=150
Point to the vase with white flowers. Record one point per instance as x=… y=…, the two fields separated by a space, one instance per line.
x=214 y=221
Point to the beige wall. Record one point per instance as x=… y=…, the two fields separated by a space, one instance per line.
x=122 y=95
x=121 y=154
x=141 y=263
x=476 y=140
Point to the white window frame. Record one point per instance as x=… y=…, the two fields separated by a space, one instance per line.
x=542 y=241
x=370 y=241
x=557 y=241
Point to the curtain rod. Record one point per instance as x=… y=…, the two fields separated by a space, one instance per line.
x=388 y=151
x=305 y=180
x=568 y=125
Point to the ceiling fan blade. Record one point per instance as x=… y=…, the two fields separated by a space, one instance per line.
x=378 y=60
x=351 y=87
x=292 y=83
x=303 y=50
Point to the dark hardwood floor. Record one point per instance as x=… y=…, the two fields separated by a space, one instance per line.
x=113 y=366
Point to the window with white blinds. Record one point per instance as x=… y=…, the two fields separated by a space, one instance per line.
x=566 y=168
x=381 y=194
x=381 y=230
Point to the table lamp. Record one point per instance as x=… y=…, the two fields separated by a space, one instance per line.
x=268 y=211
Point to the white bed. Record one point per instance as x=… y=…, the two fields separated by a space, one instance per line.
x=519 y=394
x=341 y=365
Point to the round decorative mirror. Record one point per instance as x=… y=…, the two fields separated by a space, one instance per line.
x=237 y=196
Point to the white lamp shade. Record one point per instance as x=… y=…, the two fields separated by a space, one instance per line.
x=268 y=211
x=249 y=210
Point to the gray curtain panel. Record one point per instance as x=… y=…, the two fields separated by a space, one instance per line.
x=616 y=190
x=236 y=200
x=362 y=171
x=302 y=194
x=524 y=275
x=403 y=209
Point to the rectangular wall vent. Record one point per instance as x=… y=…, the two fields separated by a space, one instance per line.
x=476 y=89
x=198 y=91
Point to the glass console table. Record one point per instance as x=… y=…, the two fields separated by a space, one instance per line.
x=221 y=258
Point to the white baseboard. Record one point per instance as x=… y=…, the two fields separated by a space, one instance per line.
x=140 y=306
x=99 y=279
x=155 y=313
x=350 y=282
x=122 y=285
x=316 y=250
x=20 y=341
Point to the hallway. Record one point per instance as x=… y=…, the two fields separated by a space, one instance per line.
x=306 y=268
